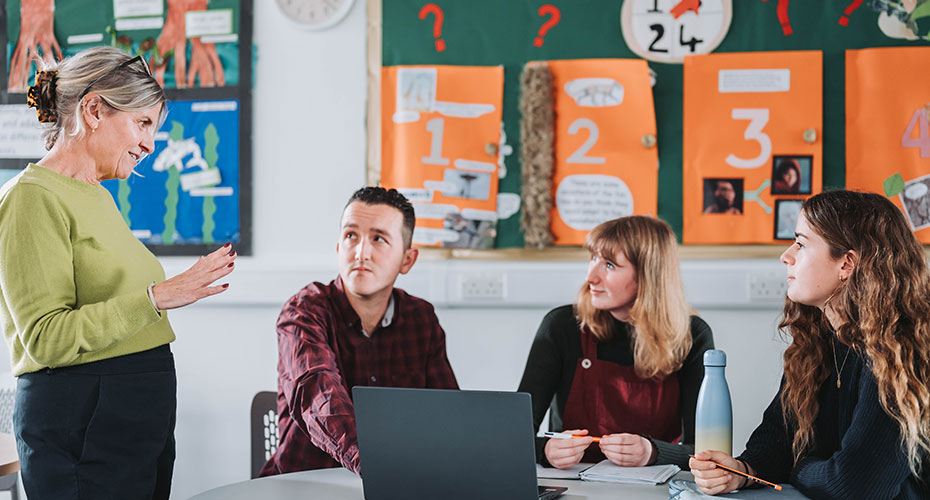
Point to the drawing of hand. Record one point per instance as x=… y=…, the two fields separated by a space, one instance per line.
x=205 y=64
x=37 y=30
x=173 y=36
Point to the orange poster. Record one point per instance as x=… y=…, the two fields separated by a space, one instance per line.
x=440 y=131
x=606 y=162
x=888 y=128
x=752 y=147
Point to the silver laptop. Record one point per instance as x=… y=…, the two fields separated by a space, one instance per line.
x=449 y=445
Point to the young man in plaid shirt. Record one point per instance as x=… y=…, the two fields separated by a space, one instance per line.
x=357 y=330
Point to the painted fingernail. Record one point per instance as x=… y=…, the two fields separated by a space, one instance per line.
x=232 y=254
x=227 y=245
x=225 y=285
x=230 y=264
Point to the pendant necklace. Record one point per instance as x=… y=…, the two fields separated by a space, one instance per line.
x=839 y=369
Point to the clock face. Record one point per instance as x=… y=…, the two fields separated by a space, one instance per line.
x=315 y=14
x=669 y=30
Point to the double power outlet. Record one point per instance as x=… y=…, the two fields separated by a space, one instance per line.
x=767 y=286
x=482 y=286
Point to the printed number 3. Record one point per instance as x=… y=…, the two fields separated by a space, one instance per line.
x=758 y=118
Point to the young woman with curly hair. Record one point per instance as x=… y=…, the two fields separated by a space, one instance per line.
x=852 y=417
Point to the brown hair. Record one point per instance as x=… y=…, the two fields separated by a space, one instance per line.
x=660 y=318
x=882 y=311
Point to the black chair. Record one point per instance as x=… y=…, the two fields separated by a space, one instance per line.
x=264 y=429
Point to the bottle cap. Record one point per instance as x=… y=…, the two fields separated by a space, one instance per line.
x=715 y=358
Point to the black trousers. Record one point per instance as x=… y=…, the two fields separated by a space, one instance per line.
x=99 y=431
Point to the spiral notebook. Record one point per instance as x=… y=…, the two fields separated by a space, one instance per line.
x=608 y=472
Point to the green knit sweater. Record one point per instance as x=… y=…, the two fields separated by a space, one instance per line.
x=73 y=278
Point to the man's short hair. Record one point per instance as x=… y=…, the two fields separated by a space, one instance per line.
x=377 y=195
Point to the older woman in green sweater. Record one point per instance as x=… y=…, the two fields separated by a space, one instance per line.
x=82 y=301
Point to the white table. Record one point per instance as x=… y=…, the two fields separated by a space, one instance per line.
x=340 y=484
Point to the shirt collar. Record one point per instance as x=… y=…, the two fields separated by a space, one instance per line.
x=352 y=317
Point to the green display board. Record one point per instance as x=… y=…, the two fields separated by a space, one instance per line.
x=501 y=32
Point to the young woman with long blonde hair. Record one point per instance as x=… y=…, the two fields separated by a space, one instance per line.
x=852 y=416
x=625 y=362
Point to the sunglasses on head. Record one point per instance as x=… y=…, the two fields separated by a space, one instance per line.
x=124 y=64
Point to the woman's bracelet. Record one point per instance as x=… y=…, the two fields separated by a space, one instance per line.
x=151 y=293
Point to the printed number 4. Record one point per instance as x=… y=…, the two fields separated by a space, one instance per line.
x=758 y=118
x=919 y=119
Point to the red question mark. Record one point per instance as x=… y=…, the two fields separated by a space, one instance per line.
x=782 y=11
x=554 y=17
x=849 y=10
x=434 y=9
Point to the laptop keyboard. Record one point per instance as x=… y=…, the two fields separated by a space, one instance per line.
x=548 y=492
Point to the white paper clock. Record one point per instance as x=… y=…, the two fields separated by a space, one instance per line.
x=668 y=30
x=315 y=14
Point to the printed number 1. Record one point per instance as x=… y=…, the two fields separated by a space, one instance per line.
x=758 y=118
x=919 y=119
x=435 y=128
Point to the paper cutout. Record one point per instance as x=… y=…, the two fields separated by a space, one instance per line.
x=441 y=143
x=602 y=171
x=742 y=112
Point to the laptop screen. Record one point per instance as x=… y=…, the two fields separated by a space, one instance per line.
x=445 y=444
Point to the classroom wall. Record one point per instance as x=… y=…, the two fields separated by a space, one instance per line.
x=309 y=146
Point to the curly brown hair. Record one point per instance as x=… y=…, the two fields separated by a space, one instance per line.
x=882 y=312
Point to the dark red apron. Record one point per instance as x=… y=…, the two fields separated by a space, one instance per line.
x=608 y=398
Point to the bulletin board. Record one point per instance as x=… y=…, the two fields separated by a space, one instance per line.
x=194 y=191
x=510 y=34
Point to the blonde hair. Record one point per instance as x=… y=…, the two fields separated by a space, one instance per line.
x=124 y=89
x=660 y=318
x=883 y=312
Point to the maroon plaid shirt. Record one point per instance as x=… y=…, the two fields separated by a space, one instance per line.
x=322 y=354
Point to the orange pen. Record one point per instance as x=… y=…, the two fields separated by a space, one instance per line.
x=741 y=473
x=565 y=435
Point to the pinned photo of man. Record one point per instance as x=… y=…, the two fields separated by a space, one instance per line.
x=723 y=196
x=791 y=174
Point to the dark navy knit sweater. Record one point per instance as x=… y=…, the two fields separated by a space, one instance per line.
x=857 y=451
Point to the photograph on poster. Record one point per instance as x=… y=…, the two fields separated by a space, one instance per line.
x=916 y=201
x=472 y=233
x=466 y=184
x=786 y=218
x=723 y=196
x=791 y=174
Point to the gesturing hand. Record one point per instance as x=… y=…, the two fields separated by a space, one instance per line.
x=711 y=479
x=194 y=284
x=627 y=450
x=37 y=30
x=564 y=453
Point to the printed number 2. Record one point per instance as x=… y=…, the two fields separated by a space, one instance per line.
x=435 y=128
x=579 y=155
x=758 y=118
x=919 y=119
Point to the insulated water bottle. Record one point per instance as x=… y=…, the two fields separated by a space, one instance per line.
x=713 y=419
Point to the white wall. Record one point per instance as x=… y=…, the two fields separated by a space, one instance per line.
x=309 y=155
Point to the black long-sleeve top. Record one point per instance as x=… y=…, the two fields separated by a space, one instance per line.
x=857 y=451
x=554 y=356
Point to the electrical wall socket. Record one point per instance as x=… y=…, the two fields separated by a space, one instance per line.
x=482 y=286
x=767 y=286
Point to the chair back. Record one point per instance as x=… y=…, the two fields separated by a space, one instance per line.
x=264 y=429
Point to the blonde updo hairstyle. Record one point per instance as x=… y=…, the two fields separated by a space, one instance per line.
x=127 y=88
